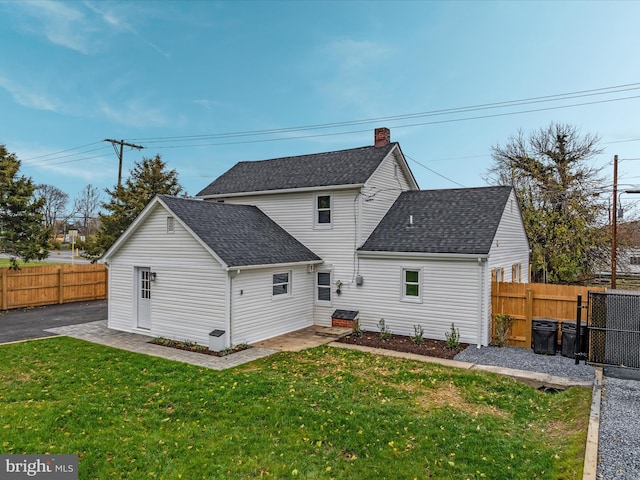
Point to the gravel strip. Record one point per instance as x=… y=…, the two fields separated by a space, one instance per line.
x=619 y=435
x=525 y=359
x=619 y=439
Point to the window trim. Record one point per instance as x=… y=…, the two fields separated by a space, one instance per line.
x=317 y=210
x=171 y=225
x=403 y=285
x=286 y=294
x=324 y=303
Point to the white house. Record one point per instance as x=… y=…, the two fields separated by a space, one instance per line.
x=276 y=245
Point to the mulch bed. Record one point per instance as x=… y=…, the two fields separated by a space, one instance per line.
x=401 y=343
x=190 y=347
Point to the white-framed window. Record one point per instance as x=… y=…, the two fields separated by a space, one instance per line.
x=323 y=211
x=281 y=284
x=323 y=287
x=412 y=284
x=171 y=225
x=635 y=260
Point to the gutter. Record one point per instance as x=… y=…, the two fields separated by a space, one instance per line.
x=353 y=186
x=238 y=268
x=468 y=257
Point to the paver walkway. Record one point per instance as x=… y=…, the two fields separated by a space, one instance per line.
x=97 y=332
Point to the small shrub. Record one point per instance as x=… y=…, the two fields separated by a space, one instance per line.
x=385 y=333
x=356 y=331
x=418 y=336
x=225 y=352
x=501 y=329
x=452 y=338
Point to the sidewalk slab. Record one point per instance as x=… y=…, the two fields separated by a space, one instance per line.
x=97 y=332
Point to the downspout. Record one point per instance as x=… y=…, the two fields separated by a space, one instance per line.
x=480 y=300
x=228 y=314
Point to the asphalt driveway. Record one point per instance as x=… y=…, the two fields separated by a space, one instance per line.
x=29 y=323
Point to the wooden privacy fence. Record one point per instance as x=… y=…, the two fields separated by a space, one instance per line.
x=33 y=286
x=526 y=301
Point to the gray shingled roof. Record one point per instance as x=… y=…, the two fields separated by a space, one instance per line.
x=343 y=167
x=459 y=221
x=241 y=235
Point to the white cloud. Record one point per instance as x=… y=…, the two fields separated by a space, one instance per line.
x=60 y=23
x=27 y=97
x=113 y=20
x=134 y=114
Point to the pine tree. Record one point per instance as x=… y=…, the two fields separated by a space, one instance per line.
x=22 y=231
x=147 y=179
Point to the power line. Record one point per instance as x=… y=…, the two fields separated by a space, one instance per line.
x=556 y=97
x=486 y=106
x=433 y=171
x=61 y=151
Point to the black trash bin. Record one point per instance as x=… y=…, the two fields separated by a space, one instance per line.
x=545 y=336
x=569 y=335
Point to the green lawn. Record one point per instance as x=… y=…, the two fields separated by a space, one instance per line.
x=318 y=414
x=5 y=262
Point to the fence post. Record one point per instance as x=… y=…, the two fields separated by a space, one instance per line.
x=4 y=302
x=60 y=285
x=529 y=315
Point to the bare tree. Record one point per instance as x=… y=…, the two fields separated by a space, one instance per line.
x=54 y=206
x=557 y=186
x=87 y=205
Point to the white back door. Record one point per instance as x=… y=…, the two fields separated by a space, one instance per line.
x=143 y=295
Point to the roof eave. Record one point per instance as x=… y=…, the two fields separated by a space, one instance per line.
x=407 y=170
x=422 y=255
x=215 y=196
x=273 y=265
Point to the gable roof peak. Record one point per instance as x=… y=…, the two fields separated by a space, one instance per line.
x=352 y=166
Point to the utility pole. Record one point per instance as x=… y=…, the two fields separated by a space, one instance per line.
x=614 y=224
x=122 y=143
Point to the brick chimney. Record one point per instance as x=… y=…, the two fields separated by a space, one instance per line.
x=381 y=137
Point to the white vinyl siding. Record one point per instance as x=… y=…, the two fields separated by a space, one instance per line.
x=256 y=317
x=510 y=246
x=187 y=300
x=336 y=246
x=452 y=293
x=379 y=193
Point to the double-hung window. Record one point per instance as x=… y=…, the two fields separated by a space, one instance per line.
x=323 y=211
x=282 y=284
x=412 y=284
x=171 y=225
x=323 y=288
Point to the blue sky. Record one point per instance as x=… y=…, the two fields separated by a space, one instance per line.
x=177 y=77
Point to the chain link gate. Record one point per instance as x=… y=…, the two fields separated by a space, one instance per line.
x=613 y=320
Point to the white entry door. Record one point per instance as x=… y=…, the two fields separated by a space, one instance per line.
x=143 y=294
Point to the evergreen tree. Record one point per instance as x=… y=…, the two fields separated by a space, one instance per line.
x=147 y=179
x=22 y=231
